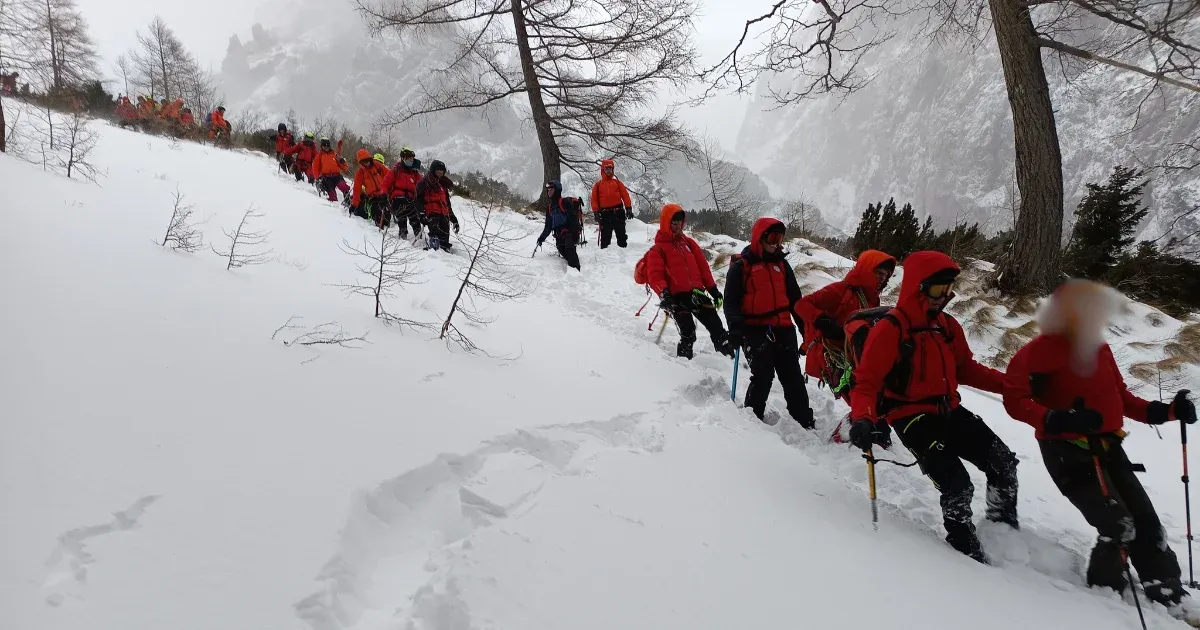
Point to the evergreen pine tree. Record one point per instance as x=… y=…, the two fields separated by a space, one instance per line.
x=887 y=228
x=907 y=233
x=868 y=229
x=926 y=237
x=1105 y=223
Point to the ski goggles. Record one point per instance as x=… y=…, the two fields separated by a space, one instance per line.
x=773 y=238
x=937 y=291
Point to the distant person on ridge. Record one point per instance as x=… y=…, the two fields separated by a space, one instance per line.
x=219 y=129
x=402 y=188
x=611 y=205
x=328 y=172
x=760 y=293
x=679 y=274
x=433 y=198
x=562 y=220
x=369 y=199
x=1068 y=387
x=912 y=364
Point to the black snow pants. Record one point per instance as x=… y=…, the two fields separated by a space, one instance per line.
x=565 y=241
x=612 y=220
x=1127 y=517
x=707 y=314
x=439 y=229
x=772 y=351
x=941 y=442
x=405 y=213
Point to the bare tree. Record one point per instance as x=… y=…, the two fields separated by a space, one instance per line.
x=66 y=54
x=164 y=68
x=388 y=265
x=124 y=67
x=78 y=141
x=327 y=334
x=802 y=217
x=826 y=46
x=727 y=190
x=488 y=275
x=589 y=70
x=245 y=245
x=182 y=234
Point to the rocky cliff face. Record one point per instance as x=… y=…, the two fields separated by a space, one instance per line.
x=935 y=128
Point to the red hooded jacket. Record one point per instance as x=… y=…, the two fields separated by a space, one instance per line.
x=370 y=181
x=676 y=264
x=284 y=142
x=609 y=193
x=305 y=152
x=403 y=181
x=760 y=288
x=859 y=290
x=1040 y=378
x=941 y=358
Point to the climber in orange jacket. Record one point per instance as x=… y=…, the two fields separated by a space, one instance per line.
x=611 y=205
x=327 y=172
x=370 y=197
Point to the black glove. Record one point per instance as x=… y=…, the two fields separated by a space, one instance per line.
x=865 y=433
x=628 y=213
x=541 y=240
x=456 y=227
x=829 y=328
x=668 y=302
x=716 y=295
x=1158 y=412
x=736 y=339
x=1077 y=419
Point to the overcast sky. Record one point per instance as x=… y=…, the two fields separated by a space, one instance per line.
x=205 y=29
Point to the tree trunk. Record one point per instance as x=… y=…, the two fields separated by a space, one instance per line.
x=3 y=129
x=1033 y=264
x=55 y=62
x=551 y=156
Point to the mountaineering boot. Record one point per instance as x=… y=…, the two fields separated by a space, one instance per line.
x=805 y=419
x=684 y=349
x=723 y=346
x=434 y=243
x=962 y=537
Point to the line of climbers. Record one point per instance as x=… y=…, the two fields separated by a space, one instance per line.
x=171 y=117
x=377 y=193
x=901 y=367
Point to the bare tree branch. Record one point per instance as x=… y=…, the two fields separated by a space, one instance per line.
x=242 y=239
x=181 y=233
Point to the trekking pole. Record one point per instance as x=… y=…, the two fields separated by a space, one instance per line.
x=737 y=359
x=1108 y=500
x=1187 y=501
x=663 y=329
x=870 y=457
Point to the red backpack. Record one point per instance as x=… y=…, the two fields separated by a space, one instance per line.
x=640 y=272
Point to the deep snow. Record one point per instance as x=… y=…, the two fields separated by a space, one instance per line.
x=165 y=464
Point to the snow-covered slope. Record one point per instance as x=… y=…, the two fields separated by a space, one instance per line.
x=166 y=464
x=934 y=128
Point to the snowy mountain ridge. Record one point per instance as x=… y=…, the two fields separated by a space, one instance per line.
x=206 y=475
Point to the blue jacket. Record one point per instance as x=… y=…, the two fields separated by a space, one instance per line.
x=561 y=216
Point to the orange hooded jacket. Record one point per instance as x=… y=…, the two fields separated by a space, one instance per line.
x=609 y=193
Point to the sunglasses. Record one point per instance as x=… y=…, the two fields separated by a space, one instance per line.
x=773 y=238
x=938 y=291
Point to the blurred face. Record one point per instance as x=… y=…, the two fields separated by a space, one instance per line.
x=608 y=170
x=677 y=226
x=938 y=295
x=883 y=274
x=440 y=172
x=771 y=242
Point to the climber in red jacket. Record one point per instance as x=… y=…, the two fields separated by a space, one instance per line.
x=824 y=312
x=402 y=188
x=679 y=274
x=908 y=377
x=1067 y=386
